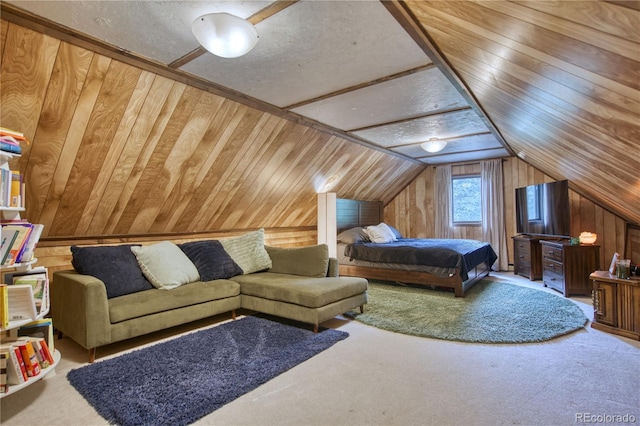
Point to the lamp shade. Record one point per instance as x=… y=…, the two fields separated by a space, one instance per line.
x=588 y=238
x=433 y=145
x=225 y=35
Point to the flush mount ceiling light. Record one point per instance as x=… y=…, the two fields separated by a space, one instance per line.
x=225 y=35
x=433 y=145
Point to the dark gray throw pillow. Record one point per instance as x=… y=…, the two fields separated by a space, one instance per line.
x=211 y=260
x=115 y=266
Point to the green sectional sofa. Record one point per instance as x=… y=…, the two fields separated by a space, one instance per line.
x=94 y=305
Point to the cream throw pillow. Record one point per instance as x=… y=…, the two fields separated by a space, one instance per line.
x=248 y=251
x=165 y=265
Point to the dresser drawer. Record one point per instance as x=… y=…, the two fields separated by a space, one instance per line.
x=527 y=257
x=552 y=266
x=550 y=252
x=522 y=249
x=522 y=268
x=553 y=280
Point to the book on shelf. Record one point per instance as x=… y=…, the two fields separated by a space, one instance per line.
x=39 y=328
x=38 y=279
x=30 y=358
x=5 y=187
x=44 y=358
x=32 y=242
x=4 y=131
x=22 y=305
x=16 y=250
x=4 y=382
x=8 y=238
x=15 y=196
x=20 y=248
x=4 y=306
x=9 y=147
x=17 y=372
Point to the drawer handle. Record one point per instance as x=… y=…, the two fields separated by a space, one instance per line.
x=521 y=257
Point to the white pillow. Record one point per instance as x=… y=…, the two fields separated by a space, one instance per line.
x=380 y=234
x=165 y=265
x=388 y=231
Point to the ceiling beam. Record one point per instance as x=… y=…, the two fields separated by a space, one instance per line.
x=361 y=86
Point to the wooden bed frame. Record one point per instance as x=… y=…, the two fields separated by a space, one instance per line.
x=352 y=213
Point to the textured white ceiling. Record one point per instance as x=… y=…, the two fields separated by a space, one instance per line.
x=439 y=126
x=313 y=48
x=417 y=94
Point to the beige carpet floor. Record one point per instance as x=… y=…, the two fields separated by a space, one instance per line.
x=376 y=377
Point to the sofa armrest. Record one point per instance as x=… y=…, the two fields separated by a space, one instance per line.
x=80 y=308
x=332 y=270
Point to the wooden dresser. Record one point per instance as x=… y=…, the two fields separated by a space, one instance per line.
x=566 y=267
x=527 y=257
x=616 y=307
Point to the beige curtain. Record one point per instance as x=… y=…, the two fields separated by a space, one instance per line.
x=443 y=202
x=493 y=223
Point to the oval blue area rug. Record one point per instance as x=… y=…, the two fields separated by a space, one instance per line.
x=490 y=312
x=177 y=382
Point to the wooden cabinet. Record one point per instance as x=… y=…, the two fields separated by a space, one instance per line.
x=566 y=267
x=616 y=304
x=527 y=257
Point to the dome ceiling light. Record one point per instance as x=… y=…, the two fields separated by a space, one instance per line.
x=433 y=145
x=225 y=35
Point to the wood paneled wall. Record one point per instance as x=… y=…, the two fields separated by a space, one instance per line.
x=412 y=211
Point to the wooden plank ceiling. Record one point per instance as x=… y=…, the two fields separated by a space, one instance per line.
x=131 y=135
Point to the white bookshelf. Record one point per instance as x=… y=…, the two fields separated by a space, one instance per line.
x=13 y=213
x=31 y=380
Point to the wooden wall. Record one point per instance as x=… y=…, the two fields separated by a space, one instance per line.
x=412 y=211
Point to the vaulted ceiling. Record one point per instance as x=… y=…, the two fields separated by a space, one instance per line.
x=555 y=83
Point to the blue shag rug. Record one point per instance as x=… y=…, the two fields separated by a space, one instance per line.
x=182 y=380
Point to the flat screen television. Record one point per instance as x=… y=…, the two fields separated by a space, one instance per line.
x=543 y=209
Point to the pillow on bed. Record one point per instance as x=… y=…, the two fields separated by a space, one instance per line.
x=380 y=233
x=396 y=233
x=353 y=235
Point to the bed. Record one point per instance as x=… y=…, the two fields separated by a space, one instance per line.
x=450 y=263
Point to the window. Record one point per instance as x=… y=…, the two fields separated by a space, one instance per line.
x=466 y=199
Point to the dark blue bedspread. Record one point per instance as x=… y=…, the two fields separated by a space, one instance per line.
x=446 y=253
